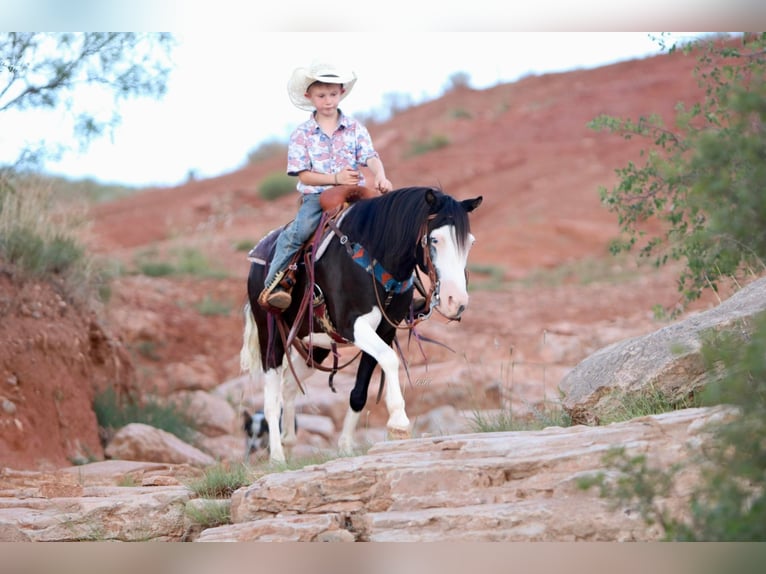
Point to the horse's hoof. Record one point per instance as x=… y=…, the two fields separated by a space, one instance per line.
x=399 y=434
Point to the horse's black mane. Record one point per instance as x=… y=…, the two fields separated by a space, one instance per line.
x=388 y=226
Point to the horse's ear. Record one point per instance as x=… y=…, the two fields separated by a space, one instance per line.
x=470 y=204
x=430 y=197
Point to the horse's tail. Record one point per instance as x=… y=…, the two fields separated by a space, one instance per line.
x=249 y=355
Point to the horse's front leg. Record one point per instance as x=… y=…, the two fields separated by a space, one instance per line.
x=368 y=341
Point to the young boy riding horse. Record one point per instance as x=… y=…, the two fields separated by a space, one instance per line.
x=324 y=151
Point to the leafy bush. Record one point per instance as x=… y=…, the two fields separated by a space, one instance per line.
x=728 y=502
x=703 y=181
x=702 y=178
x=276 y=185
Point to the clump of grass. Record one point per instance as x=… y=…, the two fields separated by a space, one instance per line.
x=436 y=141
x=221 y=480
x=39 y=237
x=276 y=185
x=244 y=245
x=649 y=401
x=500 y=421
x=193 y=262
x=156 y=268
x=186 y=261
x=113 y=413
x=148 y=350
x=210 y=306
x=210 y=514
x=504 y=420
x=489 y=277
x=460 y=113
x=127 y=481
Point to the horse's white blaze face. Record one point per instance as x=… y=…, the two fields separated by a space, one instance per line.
x=450 y=263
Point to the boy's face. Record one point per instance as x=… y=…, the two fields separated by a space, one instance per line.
x=325 y=97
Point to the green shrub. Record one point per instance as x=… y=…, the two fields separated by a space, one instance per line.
x=210 y=306
x=646 y=402
x=460 y=113
x=148 y=350
x=38 y=236
x=156 y=268
x=114 y=413
x=188 y=261
x=221 y=480
x=700 y=179
x=32 y=238
x=436 y=141
x=276 y=185
x=194 y=262
x=728 y=500
x=244 y=245
x=209 y=515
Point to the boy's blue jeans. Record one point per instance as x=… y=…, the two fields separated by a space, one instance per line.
x=295 y=234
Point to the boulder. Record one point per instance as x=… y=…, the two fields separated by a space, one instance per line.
x=667 y=361
x=138 y=441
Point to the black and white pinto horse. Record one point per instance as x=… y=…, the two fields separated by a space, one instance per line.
x=365 y=274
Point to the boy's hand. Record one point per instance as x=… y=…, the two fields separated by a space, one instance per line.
x=383 y=185
x=348 y=176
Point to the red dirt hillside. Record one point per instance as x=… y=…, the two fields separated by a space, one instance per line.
x=523 y=146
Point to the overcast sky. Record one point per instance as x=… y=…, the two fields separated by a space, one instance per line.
x=227 y=92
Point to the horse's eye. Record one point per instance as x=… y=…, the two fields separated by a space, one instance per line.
x=434 y=241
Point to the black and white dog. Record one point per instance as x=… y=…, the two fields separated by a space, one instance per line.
x=257 y=432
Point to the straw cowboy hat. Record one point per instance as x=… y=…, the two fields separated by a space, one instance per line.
x=302 y=78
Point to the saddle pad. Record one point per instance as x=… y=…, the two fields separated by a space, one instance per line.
x=264 y=249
